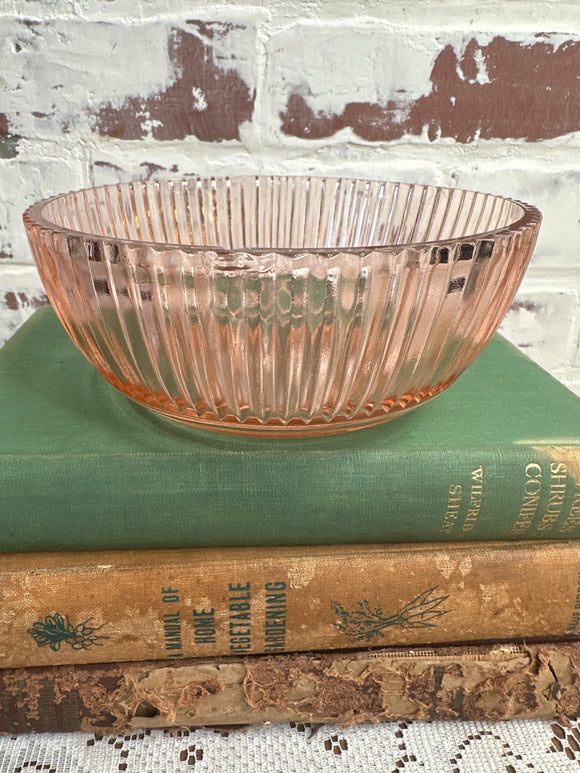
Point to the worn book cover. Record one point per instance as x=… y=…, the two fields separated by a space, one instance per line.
x=202 y=602
x=495 y=456
x=472 y=682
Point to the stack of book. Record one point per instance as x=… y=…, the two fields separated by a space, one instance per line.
x=152 y=574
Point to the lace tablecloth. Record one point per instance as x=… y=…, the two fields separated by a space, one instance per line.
x=401 y=747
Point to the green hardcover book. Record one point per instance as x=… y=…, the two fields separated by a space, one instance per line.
x=82 y=467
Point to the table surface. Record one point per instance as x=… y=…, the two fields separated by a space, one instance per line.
x=396 y=747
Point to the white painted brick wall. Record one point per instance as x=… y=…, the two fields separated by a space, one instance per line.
x=63 y=60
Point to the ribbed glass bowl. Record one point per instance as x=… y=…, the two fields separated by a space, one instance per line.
x=280 y=305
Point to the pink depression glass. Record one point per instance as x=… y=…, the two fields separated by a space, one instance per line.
x=280 y=305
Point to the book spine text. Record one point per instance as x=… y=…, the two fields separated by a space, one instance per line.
x=103 y=607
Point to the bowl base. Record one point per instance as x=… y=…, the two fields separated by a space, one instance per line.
x=292 y=429
x=179 y=411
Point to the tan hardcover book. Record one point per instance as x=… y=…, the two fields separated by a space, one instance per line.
x=65 y=608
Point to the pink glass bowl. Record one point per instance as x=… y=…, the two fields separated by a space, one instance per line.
x=280 y=305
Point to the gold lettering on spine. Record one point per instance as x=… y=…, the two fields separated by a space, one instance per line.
x=530 y=500
x=556 y=496
x=573 y=518
x=475 y=499
x=452 y=512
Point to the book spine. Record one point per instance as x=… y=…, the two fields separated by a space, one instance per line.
x=494 y=682
x=518 y=492
x=133 y=605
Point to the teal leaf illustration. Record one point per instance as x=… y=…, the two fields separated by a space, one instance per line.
x=365 y=622
x=57 y=629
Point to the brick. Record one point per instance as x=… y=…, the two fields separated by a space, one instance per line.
x=119 y=161
x=541 y=322
x=39 y=170
x=21 y=293
x=134 y=80
x=547 y=179
x=575 y=359
x=57 y=69
x=8 y=140
x=392 y=83
x=207 y=98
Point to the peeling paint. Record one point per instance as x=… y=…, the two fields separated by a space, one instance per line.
x=151 y=169
x=8 y=141
x=11 y=301
x=213 y=30
x=526 y=306
x=501 y=90
x=205 y=101
x=107 y=165
x=21 y=300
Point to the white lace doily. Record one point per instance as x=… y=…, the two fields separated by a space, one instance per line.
x=397 y=747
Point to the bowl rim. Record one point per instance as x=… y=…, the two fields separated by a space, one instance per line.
x=33 y=217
